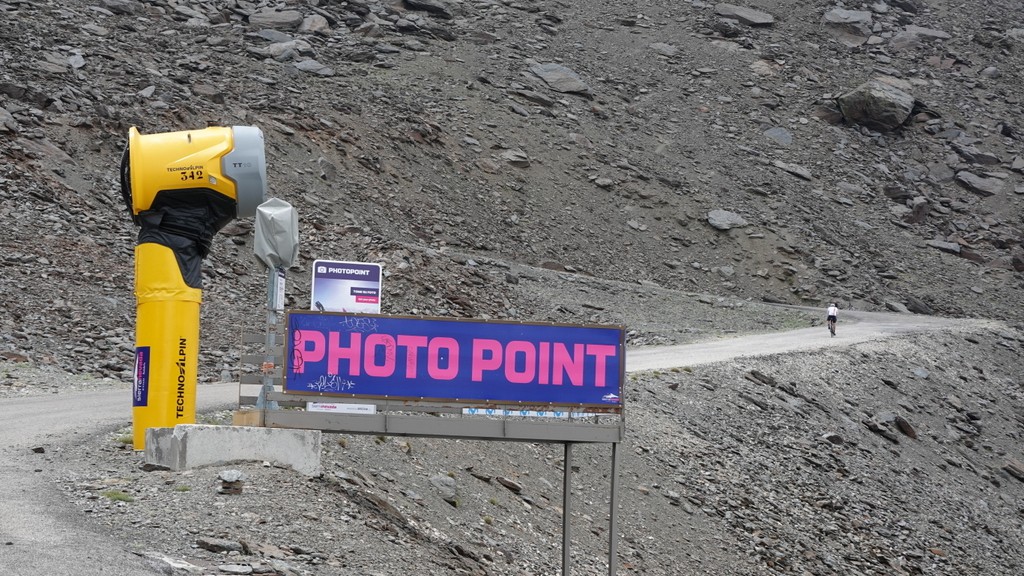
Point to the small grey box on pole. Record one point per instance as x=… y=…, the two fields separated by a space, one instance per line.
x=277 y=246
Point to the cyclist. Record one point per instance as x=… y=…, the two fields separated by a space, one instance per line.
x=832 y=315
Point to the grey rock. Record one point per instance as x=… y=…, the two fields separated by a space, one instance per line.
x=219 y=545
x=1014 y=468
x=897 y=307
x=120 y=6
x=927 y=33
x=918 y=306
x=166 y=565
x=975 y=156
x=794 y=169
x=725 y=220
x=904 y=41
x=434 y=7
x=728 y=27
x=275 y=36
x=904 y=426
x=919 y=207
x=516 y=157
x=512 y=485
x=877 y=105
x=980 y=185
x=950 y=247
x=283 y=20
x=1010 y=131
x=881 y=428
x=779 y=135
x=912 y=6
x=832 y=438
x=747 y=16
x=851 y=189
x=315 y=67
x=7 y=121
x=235 y=569
x=990 y=72
x=445 y=485
x=285 y=51
x=561 y=79
x=665 y=49
x=852 y=22
x=315 y=24
x=941 y=173
x=535 y=97
x=231 y=475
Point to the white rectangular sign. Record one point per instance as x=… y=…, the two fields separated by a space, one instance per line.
x=346 y=287
x=341 y=408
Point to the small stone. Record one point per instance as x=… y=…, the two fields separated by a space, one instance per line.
x=725 y=220
x=512 y=485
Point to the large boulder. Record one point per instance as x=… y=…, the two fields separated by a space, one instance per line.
x=877 y=105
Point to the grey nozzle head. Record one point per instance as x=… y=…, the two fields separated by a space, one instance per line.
x=246 y=164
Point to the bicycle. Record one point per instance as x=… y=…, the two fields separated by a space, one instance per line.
x=832 y=326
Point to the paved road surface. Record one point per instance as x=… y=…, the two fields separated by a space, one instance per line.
x=41 y=536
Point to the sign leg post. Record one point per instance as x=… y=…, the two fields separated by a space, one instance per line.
x=566 y=512
x=613 y=525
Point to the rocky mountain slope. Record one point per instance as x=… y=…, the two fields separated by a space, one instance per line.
x=420 y=136
x=661 y=164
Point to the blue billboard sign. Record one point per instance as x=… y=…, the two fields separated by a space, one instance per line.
x=466 y=361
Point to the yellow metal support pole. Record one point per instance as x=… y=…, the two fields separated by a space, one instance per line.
x=166 y=343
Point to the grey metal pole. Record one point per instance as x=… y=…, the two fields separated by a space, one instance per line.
x=613 y=525
x=275 y=302
x=566 y=496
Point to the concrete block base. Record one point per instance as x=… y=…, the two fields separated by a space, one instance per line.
x=190 y=445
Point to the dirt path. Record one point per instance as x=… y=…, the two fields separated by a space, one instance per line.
x=853 y=328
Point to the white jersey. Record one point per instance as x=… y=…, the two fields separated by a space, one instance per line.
x=832 y=311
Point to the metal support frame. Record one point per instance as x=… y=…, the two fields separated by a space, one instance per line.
x=477 y=428
x=405 y=417
x=612 y=511
x=566 y=511
x=613 y=525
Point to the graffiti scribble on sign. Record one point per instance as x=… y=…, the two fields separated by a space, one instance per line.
x=331 y=383
x=358 y=324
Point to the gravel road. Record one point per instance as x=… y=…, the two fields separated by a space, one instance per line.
x=854 y=327
x=38 y=537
